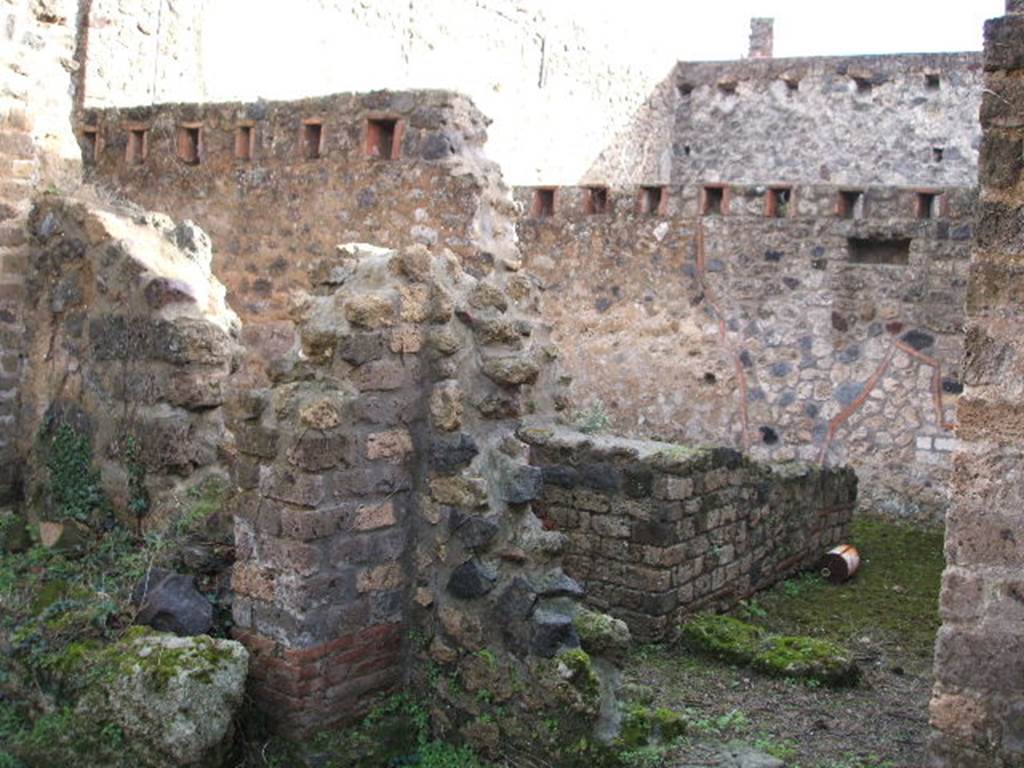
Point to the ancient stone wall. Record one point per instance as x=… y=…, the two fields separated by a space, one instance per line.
x=976 y=709
x=37 y=149
x=657 y=531
x=278 y=186
x=130 y=345
x=776 y=326
x=904 y=119
x=385 y=495
x=558 y=87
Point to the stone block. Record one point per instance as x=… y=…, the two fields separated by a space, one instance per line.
x=391 y=446
x=1000 y=160
x=446 y=407
x=294 y=487
x=317 y=451
x=379 y=578
x=987 y=659
x=256 y=440
x=383 y=375
x=371 y=311
x=361 y=347
x=1004 y=43
x=370 y=517
x=450 y=454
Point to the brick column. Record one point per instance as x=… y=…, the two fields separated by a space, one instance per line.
x=977 y=709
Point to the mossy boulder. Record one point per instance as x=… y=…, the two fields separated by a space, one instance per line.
x=178 y=696
x=601 y=634
x=808 y=658
x=721 y=637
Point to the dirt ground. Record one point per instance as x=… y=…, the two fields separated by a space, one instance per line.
x=887 y=616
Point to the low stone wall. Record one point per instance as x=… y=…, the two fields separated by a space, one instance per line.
x=657 y=531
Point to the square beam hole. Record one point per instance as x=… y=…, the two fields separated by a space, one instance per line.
x=543 y=203
x=929 y=205
x=382 y=138
x=712 y=201
x=932 y=81
x=245 y=142
x=895 y=251
x=138 y=146
x=652 y=200
x=937 y=154
x=312 y=139
x=850 y=204
x=778 y=202
x=189 y=138
x=595 y=200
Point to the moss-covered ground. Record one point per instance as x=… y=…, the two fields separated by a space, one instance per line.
x=886 y=617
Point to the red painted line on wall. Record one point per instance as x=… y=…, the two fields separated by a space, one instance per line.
x=723 y=338
x=840 y=418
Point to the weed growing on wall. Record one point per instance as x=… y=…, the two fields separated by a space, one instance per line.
x=73 y=487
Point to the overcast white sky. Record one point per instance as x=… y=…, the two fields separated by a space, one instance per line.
x=718 y=29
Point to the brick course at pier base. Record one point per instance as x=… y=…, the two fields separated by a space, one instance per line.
x=657 y=531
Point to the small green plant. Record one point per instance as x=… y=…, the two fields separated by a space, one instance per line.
x=798 y=585
x=751 y=609
x=138 y=495
x=74 y=484
x=784 y=749
x=593 y=418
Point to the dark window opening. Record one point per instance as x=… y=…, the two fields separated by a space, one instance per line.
x=850 y=204
x=777 y=203
x=792 y=85
x=685 y=89
x=135 y=152
x=380 y=138
x=929 y=205
x=651 y=200
x=91 y=139
x=728 y=86
x=543 y=203
x=932 y=81
x=712 y=201
x=188 y=144
x=877 y=251
x=937 y=153
x=244 y=142
x=312 y=139
x=863 y=84
x=596 y=200
x=686 y=150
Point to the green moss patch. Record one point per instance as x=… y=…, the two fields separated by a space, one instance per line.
x=807 y=658
x=737 y=642
x=642 y=726
x=721 y=637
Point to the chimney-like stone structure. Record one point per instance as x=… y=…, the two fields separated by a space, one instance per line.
x=762 y=38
